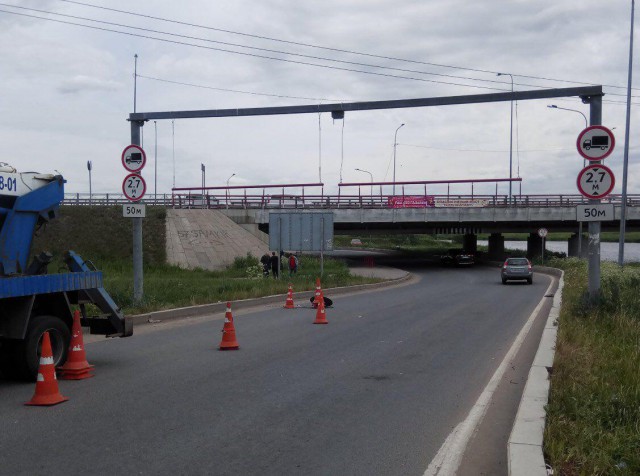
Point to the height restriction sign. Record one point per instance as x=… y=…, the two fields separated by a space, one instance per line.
x=596 y=181
x=134 y=187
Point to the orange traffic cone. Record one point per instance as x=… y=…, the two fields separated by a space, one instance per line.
x=229 y=341
x=47 y=392
x=76 y=367
x=289 y=304
x=319 y=295
x=321 y=316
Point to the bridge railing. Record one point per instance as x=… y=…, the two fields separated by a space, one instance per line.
x=312 y=196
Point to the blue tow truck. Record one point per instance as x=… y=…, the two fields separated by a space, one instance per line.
x=33 y=301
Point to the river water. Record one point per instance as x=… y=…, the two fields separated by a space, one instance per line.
x=608 y=251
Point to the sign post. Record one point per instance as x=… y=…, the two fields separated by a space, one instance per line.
x=542 y=233
x=134 y=187
x=595 y=181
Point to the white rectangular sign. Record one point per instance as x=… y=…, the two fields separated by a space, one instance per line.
x=595 y=212
x=134 y=210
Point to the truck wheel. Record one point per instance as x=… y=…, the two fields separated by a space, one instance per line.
x=25 y=355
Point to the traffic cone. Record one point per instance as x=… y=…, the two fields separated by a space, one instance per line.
x=289 y=304
x=47 y=392
x=76 y=367
x=321 y=316
x=229 y=341
x=319 y=296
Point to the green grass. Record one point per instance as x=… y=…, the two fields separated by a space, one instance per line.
x=167 y=287
x=593 y=424
x=103 y=236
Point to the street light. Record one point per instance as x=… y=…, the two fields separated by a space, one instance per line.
x=202 y=169
x=89 y=167
x=586 y=123
x=510 y=135
x=370 y=175
x=227 y=190
x=395 y=143
x=584 y=163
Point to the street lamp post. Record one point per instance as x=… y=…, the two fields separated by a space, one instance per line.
x=510 y=136
x=89 y=167
x=370 y=176
x=202 y=169
x=227 y=190
x=395 y=143
x=584 y=163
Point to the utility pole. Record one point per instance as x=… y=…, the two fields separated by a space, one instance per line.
x=623 y=209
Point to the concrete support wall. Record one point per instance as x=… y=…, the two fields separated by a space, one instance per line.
x=496 y=247
x=573 y=246
x=207 y=239
x=534 y=246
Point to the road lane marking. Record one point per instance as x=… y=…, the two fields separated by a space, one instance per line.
x=448 y=458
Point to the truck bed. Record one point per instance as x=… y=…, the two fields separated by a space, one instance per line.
x=49 y=283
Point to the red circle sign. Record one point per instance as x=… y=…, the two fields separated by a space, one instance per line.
x=596 y=181
x=133 y=158
x=595 y=143
x=134 y=187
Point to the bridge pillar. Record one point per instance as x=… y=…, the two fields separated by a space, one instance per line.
x=573 y=246
x=534 y=246
x=496 y=246
x=470 y=242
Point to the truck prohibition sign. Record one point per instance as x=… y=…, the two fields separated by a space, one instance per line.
x=595 y=143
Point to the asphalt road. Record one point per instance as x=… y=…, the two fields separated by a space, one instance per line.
x=375 y=392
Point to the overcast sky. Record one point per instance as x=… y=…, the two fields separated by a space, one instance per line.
x=67 y=90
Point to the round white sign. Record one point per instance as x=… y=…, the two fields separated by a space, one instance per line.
x=133 y=158
x=542 y=232
x=596 y=181
x=134 y=187
x=595 y=143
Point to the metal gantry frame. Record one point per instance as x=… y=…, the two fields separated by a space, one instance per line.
x=591 y=95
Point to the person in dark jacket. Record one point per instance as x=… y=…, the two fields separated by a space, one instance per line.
x=265 y=264
x=274 y=264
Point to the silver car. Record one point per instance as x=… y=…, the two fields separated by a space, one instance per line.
x=517 y=268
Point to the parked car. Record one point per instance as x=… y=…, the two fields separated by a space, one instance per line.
x=457 y=257
x=517 y=268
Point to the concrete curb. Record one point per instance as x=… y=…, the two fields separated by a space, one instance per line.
x=524 y=448
x=203 y=309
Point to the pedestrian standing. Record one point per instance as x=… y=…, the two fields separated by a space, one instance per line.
x=293 y=264
x=265 y=264
x=274 y=264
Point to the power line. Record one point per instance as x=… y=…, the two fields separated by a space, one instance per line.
x=337 y=68
x=339 y=50
x=237 y=90
x=236 y=45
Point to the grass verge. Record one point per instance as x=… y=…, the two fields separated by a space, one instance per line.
x=167 y=287
x=593 y=416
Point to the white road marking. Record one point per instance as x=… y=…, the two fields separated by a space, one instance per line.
x=448 y=458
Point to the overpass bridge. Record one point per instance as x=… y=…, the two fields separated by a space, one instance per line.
x=417 y=207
